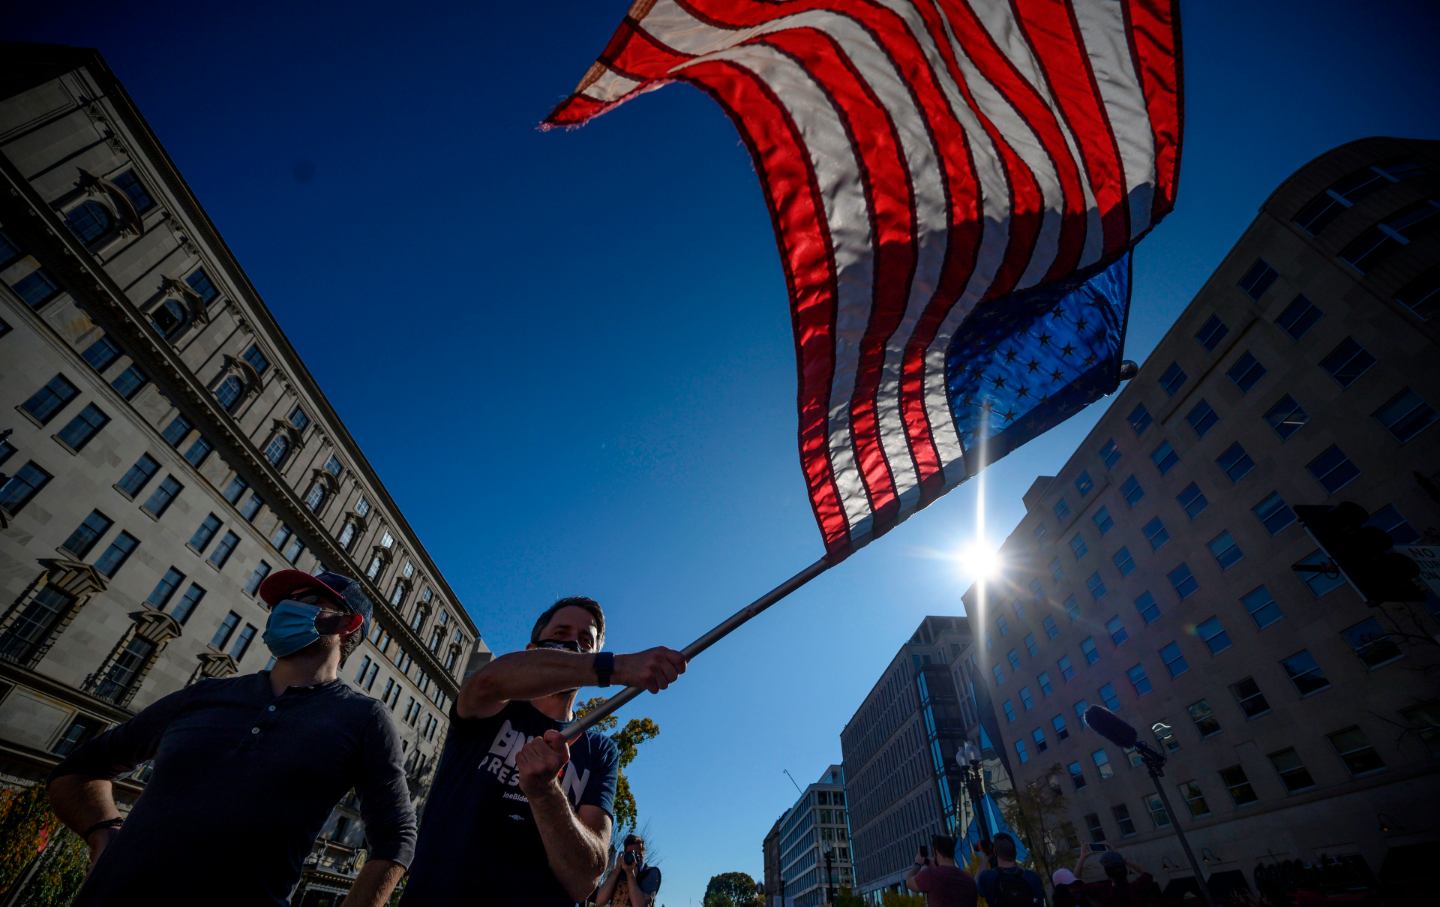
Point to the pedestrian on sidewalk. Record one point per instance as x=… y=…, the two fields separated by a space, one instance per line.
x=1008 y=885
x=1118 y=889
x=246 y=770
x=942 y=882
x=1069 y=890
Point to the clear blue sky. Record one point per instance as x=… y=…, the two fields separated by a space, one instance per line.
x=568 y=355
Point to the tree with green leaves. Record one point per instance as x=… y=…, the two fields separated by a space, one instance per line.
x=1040 y=812
x=37 y=851
x=733 y=889
x=901 y=899
x=627 y=740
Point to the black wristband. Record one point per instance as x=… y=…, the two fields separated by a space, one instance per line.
x=107 y=823
x=604 y=667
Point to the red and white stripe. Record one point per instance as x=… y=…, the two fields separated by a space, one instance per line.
x=919 y=157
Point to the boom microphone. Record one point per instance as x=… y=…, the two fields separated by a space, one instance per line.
x=1110 y=726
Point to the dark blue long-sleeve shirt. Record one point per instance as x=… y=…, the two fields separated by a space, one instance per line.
x=243 y=781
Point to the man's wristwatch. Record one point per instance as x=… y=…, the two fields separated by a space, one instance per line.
x=604 y=667
x=106 y=823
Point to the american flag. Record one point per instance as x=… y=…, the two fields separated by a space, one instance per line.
x=955 y=188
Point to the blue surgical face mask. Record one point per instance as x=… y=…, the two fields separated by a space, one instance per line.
x=291 y=627
x=565 y=645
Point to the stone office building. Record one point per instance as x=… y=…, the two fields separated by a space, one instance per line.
x=164 y=449
x=1153 y=575
x=901 y=779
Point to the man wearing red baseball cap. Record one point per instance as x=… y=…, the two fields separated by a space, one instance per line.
x=249 y=767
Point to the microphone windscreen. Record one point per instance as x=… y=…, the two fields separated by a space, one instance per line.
x=1110 y=726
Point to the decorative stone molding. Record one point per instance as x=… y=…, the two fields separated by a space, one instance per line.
x=78 y=580
x=149 y=624
x=127 y=218
x=213 y=665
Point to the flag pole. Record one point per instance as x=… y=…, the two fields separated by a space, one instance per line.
x=579 y=726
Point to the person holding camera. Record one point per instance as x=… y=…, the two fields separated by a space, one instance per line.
x=1118 y=889
x=631 y=882
x=517 y=815
x=249 y=766
x=942 y=882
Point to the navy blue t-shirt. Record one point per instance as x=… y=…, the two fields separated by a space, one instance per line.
x=479 y=843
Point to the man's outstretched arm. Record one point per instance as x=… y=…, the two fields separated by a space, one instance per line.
x=540 y=672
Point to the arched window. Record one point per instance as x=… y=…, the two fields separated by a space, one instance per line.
x=91 y=222
x=170 y=318
x=229 y=393
x=315 y=497
x=277 y=449
x=347 y=535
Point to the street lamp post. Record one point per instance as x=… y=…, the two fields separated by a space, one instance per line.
x=1115 y=729
x=968 y=758
x=830 y=871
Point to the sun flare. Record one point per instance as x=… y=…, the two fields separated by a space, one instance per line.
x=980 y=560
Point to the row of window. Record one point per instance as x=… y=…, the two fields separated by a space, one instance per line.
x=365 y=680
x=1368 y=639
x=1350 y=745
x=1404 y=415
x=36 y=287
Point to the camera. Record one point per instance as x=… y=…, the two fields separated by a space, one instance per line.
x=629 y=858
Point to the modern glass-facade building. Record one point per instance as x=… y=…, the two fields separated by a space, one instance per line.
x=899 y=750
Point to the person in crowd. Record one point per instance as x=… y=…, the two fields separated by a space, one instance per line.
x=1008 y=885
x=1117 y=889
x=1069 y=890
x=248 y=767
x=631 y=882
x=517 y=815
x=942 y=882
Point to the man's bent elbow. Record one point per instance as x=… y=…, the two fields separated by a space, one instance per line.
x=477 y=693
x=580 y=891
x=583 y=887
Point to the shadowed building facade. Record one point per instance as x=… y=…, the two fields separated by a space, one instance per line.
x=1153 y=575
x=165 y=450
x=770 y=849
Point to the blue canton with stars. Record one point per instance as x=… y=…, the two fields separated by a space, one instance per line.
x=1036 y=358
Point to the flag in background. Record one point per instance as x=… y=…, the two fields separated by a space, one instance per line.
x=955 y=187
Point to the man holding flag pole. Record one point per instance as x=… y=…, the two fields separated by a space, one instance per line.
x=956 y=187
x=518 y=814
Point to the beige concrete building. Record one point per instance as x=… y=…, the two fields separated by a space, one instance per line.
x=813 y=850
x=166 y=449
x=1154 y=575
